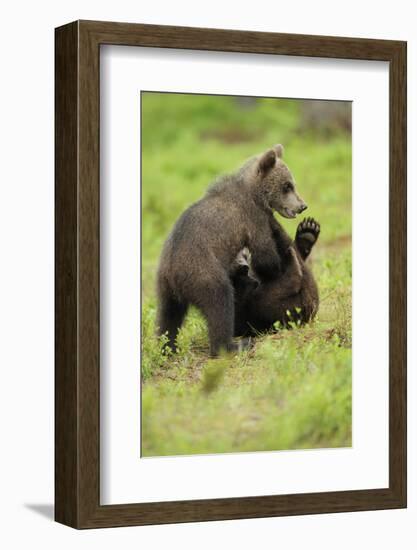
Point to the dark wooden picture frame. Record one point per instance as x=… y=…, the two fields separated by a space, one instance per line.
x=77 y=372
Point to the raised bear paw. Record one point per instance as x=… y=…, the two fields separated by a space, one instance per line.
x=310 y=227
x=306 y=236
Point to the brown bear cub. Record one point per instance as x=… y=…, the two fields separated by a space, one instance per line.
x=198 y=258
x=291 y=297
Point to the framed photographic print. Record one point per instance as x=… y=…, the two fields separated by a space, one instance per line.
x=230 y=274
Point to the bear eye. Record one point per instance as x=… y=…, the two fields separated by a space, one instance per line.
x=287 y=187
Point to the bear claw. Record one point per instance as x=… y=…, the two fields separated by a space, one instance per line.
x=310 y=226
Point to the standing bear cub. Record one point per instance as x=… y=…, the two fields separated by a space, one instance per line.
x=199 y=256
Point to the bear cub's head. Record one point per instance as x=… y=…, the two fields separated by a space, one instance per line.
x=277 y=184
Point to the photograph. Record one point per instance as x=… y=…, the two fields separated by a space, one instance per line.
x=246 y=274
x=208 y=262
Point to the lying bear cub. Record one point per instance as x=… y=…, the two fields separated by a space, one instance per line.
x=198 y=264
x=291 y=297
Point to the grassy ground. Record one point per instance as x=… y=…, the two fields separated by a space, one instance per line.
x=293 y=389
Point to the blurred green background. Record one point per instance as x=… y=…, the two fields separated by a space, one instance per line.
x=293 y=389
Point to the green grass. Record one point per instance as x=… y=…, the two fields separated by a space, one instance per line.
x=292 y=390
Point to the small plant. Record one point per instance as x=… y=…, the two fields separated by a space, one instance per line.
x=154 y=350
x=213 y=375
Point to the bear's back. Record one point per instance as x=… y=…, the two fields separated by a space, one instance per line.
x=216 y=225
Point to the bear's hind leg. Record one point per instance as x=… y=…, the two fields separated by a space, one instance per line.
x=171 y=313
x=217 y=306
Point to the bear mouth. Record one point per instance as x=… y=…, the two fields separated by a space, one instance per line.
x=290 y=214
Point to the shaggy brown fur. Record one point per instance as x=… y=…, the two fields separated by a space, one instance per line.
x=197 y=259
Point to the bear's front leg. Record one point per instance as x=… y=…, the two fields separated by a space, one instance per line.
x=306 y=236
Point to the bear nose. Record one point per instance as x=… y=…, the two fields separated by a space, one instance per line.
x=303 y=207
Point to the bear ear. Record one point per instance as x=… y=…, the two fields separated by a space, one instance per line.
x=279 y=150
x=267 y=161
